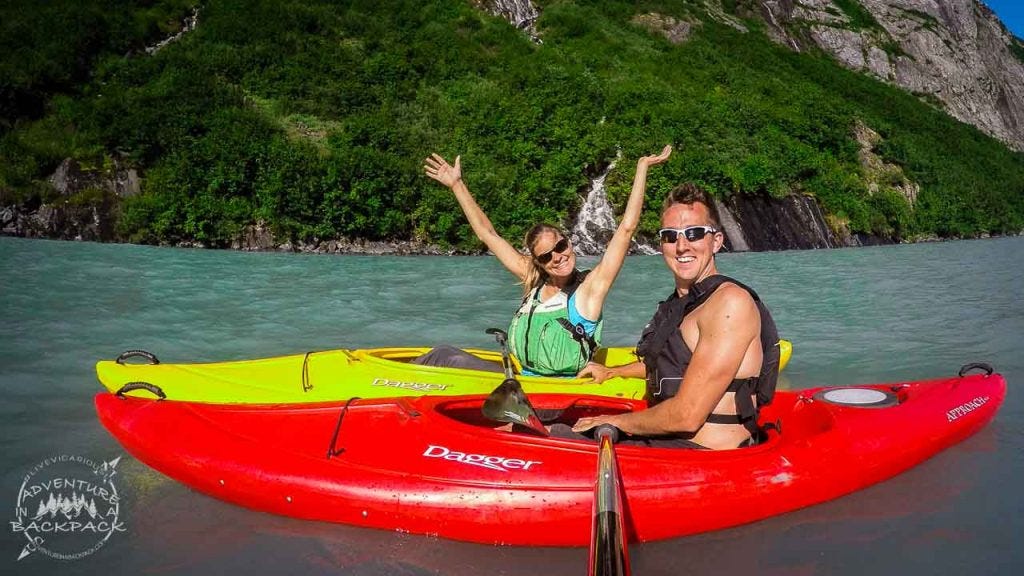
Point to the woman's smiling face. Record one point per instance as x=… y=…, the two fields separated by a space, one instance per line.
x=559 y=249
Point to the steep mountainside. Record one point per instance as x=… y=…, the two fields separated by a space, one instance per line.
x=955 y=53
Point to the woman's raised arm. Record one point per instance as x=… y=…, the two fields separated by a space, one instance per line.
x=439 y=169
x=591 y=294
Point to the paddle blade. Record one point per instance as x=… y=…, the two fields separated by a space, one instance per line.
x=508 y=403
x=609 y=555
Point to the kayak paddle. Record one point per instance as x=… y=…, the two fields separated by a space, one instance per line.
x=609 y=555
x=508 y=403
x=502 y=337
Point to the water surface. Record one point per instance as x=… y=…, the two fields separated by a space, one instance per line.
x=854 y=316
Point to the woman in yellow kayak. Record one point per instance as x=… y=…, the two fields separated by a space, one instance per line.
x=558 y=326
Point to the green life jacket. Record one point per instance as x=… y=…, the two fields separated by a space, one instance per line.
x=544 y=340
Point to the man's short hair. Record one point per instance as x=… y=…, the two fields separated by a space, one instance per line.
x=690 y=193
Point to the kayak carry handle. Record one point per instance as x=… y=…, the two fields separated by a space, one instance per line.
x=976 y=365
x=137 y=353
x=331 y=450
x=151 y=388
x=306 y=384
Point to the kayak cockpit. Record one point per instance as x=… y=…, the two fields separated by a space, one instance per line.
x=552 y=408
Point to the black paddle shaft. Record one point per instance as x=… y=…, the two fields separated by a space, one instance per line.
x=502 y=337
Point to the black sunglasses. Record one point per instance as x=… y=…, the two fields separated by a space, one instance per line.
x=561 y=246
x=691 y=233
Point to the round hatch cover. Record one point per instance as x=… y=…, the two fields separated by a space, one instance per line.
x=863 y=397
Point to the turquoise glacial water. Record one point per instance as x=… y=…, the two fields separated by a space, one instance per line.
x=853 y=315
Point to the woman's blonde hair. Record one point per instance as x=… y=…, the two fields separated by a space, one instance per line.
x=536 y=276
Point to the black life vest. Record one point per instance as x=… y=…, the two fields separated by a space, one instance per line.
x=666 y=355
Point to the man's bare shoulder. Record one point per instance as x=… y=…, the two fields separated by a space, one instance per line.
x=730 y=300
x=732 y=293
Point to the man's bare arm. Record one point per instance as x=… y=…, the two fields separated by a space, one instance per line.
x=727 y=328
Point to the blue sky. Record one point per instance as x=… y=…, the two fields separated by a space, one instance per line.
x=1011 y=12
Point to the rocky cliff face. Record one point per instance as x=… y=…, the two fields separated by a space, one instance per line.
x=955 y=52
x=85 y=206
x=760 y=223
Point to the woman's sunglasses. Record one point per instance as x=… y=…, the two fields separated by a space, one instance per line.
x=561 y=246
x=691 y=233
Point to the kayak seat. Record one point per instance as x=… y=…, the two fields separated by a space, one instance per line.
x=383 y=356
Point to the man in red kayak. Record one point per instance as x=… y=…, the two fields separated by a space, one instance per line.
x=709 y=352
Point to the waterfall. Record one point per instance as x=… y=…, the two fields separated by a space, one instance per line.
x=520 y=13
x=188 y=25
x=782 y=31
x=596 y=224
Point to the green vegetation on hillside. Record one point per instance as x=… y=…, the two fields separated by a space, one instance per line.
x=315 y=116
x=858 y=16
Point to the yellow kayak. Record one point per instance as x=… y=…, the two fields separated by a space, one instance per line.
x=334 y=375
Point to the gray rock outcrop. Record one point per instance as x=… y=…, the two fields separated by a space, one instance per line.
x=84 y=205
x=765 y=223
x=520 y=13
x=955 y=52
x=675 y=31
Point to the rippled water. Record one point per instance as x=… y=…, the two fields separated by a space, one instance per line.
x=854 y=316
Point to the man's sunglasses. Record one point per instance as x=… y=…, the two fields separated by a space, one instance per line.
x=691 y=233
x=561 y=246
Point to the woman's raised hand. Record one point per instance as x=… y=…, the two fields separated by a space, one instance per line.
x=439 y=169
x=656 y=158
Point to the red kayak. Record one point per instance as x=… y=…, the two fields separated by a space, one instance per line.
x=435 y=465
